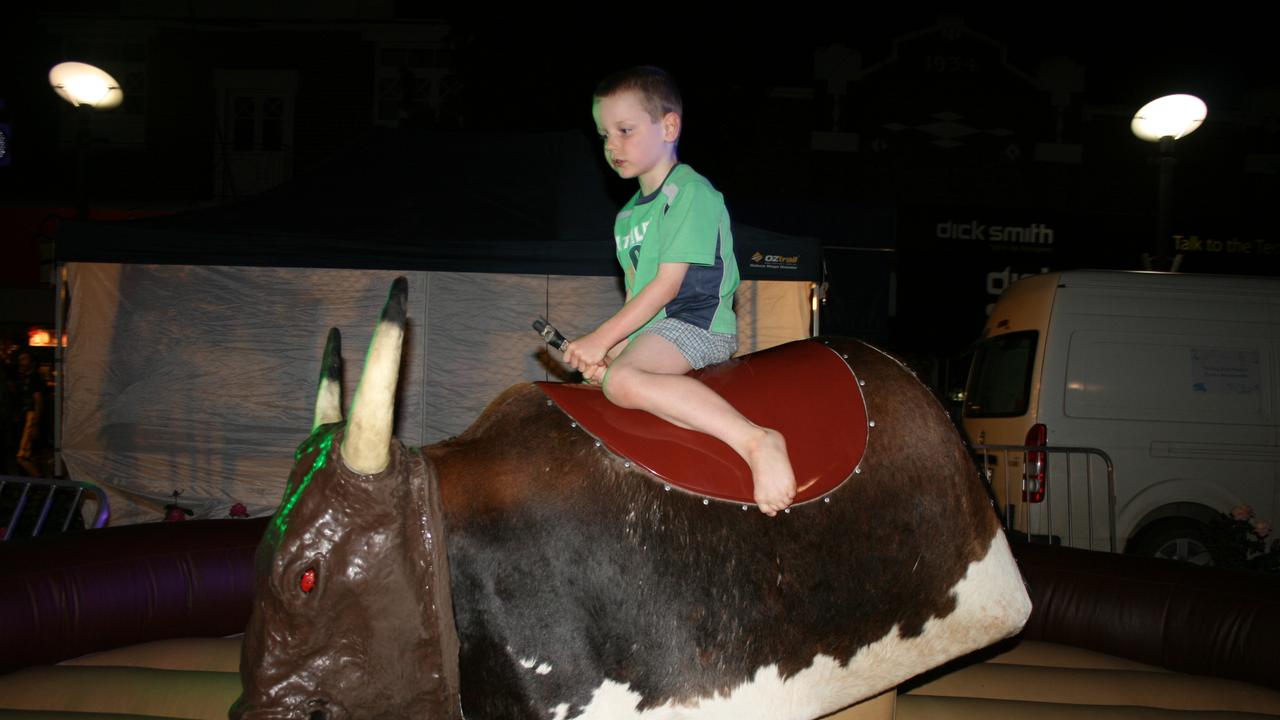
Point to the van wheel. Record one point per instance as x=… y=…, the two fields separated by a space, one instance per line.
x=1180 y=539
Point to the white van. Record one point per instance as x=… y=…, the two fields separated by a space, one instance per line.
x=1173 y=376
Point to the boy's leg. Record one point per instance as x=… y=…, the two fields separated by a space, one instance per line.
x=650 y=376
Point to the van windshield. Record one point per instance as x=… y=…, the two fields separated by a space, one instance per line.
x=1000 y=381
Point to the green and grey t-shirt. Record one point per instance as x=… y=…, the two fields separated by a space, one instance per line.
x=684 y=220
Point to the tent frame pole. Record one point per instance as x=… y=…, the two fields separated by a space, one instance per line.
x=59 y=363
x=815 y=306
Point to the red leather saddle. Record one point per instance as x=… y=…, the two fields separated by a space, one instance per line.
x=804 y=390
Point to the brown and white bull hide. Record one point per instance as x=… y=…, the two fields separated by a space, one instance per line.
x=580 y=588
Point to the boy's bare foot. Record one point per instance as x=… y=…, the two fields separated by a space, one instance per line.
x=771 y=473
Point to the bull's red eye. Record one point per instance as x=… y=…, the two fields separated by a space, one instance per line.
x=308 y=581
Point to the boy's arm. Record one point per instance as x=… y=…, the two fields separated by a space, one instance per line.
x=590 y=349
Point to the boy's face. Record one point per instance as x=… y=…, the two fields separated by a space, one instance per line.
x=636 y=146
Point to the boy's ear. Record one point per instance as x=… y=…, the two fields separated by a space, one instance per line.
x=671 y=127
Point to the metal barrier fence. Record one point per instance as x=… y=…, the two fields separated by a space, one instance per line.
x=1039 y=489
x=28 y=504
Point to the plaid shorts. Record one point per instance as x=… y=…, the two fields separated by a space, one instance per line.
x=700 y=347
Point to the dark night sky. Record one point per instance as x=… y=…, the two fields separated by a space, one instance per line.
x=522 y=76
x=1216 y=54
x=534 y=75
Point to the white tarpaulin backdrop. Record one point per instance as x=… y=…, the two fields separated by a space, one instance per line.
x=201 y=379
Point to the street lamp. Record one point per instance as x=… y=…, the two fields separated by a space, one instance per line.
x=1166 y=120
x=83 y=84
x=88 y=88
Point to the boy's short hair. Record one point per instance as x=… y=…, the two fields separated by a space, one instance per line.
x=658 y=92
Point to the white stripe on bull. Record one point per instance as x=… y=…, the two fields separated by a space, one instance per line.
x=828 y=683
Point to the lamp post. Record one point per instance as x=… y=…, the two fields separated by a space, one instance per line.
x=1166 y=120
x=88 y=88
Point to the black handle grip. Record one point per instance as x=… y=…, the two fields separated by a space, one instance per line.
x=550 y=334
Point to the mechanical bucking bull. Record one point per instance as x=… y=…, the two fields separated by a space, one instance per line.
x=530 y=569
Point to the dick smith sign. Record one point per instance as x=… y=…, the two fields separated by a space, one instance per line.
x=1034 y=234
x=1011 y=250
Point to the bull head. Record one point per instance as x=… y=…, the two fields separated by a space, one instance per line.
x=352 y=615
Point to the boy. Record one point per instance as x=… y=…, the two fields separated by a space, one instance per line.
x=676 y=251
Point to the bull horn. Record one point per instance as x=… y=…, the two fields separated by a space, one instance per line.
x=329 y=396
x=365 y=448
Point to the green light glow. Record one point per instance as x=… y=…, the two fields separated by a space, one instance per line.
x=322 y=458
